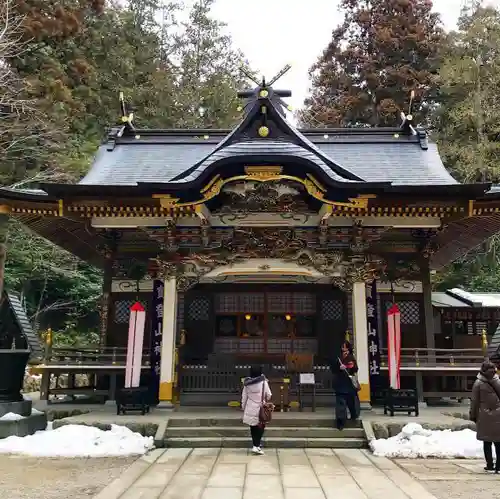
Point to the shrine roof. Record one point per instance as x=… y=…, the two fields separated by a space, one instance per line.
x=362 y=155
x=400 y=156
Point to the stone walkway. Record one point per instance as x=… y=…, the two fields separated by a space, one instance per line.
x=453 y=478
x=280 y=474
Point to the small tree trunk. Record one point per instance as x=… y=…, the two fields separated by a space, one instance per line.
x=3 y=250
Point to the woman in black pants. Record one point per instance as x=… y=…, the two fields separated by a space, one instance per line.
x=256 y=391
x=344 y=368
x=485 y=412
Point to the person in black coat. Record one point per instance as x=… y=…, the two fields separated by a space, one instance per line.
x=346 y=393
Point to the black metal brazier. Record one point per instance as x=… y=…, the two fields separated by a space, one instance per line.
x=12 y=368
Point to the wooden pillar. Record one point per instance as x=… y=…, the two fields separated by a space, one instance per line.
x=4 y=219
x=360 y=327
x=106 y=298
x=454 y=328
x=430 y=340
x=168 y=344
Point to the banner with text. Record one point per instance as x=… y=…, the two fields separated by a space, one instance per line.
x=156 y=337
x=373 y=336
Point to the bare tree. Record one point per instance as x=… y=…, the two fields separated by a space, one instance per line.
x=25 y=133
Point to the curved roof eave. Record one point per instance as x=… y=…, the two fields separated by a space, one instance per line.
x=324 y=174
x=296 y=138
x=25 y=194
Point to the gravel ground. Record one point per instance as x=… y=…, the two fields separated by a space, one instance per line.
x=44 y=478
x=463 y=490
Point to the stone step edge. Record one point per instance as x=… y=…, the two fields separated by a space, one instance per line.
x=333 y=432
x=270 y=427
x=277 y=442
x=305 y=423
x=268 y=439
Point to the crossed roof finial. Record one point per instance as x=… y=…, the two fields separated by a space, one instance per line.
x=264 y=90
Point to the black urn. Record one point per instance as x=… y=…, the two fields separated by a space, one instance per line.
x=12 y=368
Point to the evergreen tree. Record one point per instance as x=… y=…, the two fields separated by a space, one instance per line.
x=208 y=71
x=467 y=122
x=77 y=55
x=383 y=50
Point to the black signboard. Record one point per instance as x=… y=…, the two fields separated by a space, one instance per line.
x=373 y=336
x=156 y=337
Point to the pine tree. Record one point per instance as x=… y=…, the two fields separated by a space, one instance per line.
x=467 y=122
x=383 y=50
x=208 y=71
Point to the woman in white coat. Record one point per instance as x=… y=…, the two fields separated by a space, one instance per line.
x=256 y=391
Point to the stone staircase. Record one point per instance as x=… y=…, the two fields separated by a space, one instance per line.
x=296 y=432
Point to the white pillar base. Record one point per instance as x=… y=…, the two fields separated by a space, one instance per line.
x=360 y=324
x=166 y=394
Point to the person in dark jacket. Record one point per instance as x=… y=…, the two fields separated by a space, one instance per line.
x=485 y=412
x=346 y=394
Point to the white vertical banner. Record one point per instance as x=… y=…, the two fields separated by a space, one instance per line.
x=137 y=323
x=394 y=346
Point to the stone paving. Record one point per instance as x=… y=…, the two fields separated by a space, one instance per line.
x=452 y=479
x=280 y=474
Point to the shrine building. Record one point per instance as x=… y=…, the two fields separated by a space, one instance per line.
x=266 y=244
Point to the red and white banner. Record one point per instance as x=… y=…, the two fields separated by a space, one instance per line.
x=394 y=345
x=136 y=326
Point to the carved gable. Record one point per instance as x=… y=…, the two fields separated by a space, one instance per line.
x=253 y=196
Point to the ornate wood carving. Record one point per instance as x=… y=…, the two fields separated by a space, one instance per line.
x=245 y=197
x=344 y=268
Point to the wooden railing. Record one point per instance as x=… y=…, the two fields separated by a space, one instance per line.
x=202 y=378
x=99 y=356
x=438 y=357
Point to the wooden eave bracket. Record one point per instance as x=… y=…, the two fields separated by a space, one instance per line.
x=325 y=212
x=203 y=214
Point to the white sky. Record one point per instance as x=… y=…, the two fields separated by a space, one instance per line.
x=273 y=33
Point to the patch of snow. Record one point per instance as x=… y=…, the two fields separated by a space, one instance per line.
x=416 y=442
x=11 y=416
x=79 y=441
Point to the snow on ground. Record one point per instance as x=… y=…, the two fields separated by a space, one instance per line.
x=79 y=441
x=416 y=442
x=12 y=416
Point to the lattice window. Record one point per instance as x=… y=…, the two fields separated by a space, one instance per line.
x=199 y=309
x=180 y=312
x=280 y=303
x=122 y=310
x=226 y=303
x=409 y=309
x=304 y=303
x=331 y=310
x=252 y=302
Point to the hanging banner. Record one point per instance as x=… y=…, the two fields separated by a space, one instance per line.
x=394 y=345
x=373 y=336
x=156 y=337
x=135 y=344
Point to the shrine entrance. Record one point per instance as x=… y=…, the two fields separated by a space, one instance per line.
x=230 y=327
x=263 y=321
